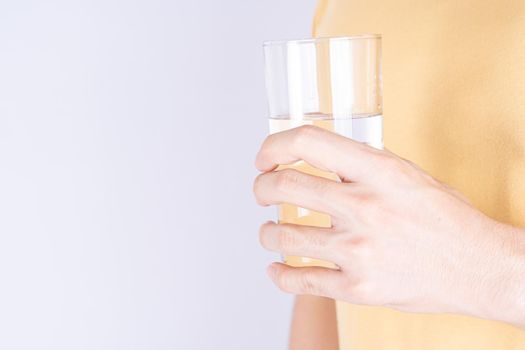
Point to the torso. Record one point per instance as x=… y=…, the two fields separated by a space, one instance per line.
x=454 y=103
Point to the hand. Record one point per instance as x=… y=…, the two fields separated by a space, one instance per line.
x=400 y=238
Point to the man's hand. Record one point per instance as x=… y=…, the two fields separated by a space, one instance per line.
x=400 y=238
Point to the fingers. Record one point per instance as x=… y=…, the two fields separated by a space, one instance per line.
x=307 y=280
x=323 y=149
x=287 y=239
x=294 y=187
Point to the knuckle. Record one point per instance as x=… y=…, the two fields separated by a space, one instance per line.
x=287 y=238
x=257 y=189
x=361 y=291
x=397 y=169
x=392 y=163
x=346 y=200
x=257 y=184
x=362 y=207
x=377 y=211
x=428 y=180
x=362 y=202
x=460 y=195
x=317 y=241
x=307 y=130
x=361 y=249
x=360 y=288
x=321 y=187
x=263 y=233
x=307 y=284
x=287 y=179
x=357 y=247
x=304 y=133
x=283 y=282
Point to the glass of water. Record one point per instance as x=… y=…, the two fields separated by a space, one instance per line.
x=332 y=83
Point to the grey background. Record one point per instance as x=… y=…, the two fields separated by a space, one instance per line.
x=127 y=136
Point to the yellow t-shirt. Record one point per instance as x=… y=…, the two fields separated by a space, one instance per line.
x=454 y=103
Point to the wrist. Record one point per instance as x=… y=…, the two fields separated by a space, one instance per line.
x=501 y=287
x=513 y=282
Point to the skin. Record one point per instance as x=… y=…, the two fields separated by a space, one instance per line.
x=400 y=238
x=314 y=324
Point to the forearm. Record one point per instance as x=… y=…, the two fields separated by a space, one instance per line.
x=485 y=277
x=314 y=324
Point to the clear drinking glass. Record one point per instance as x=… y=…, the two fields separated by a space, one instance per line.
x=332 y=83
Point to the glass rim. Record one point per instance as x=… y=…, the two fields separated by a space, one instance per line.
x=320 y=39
